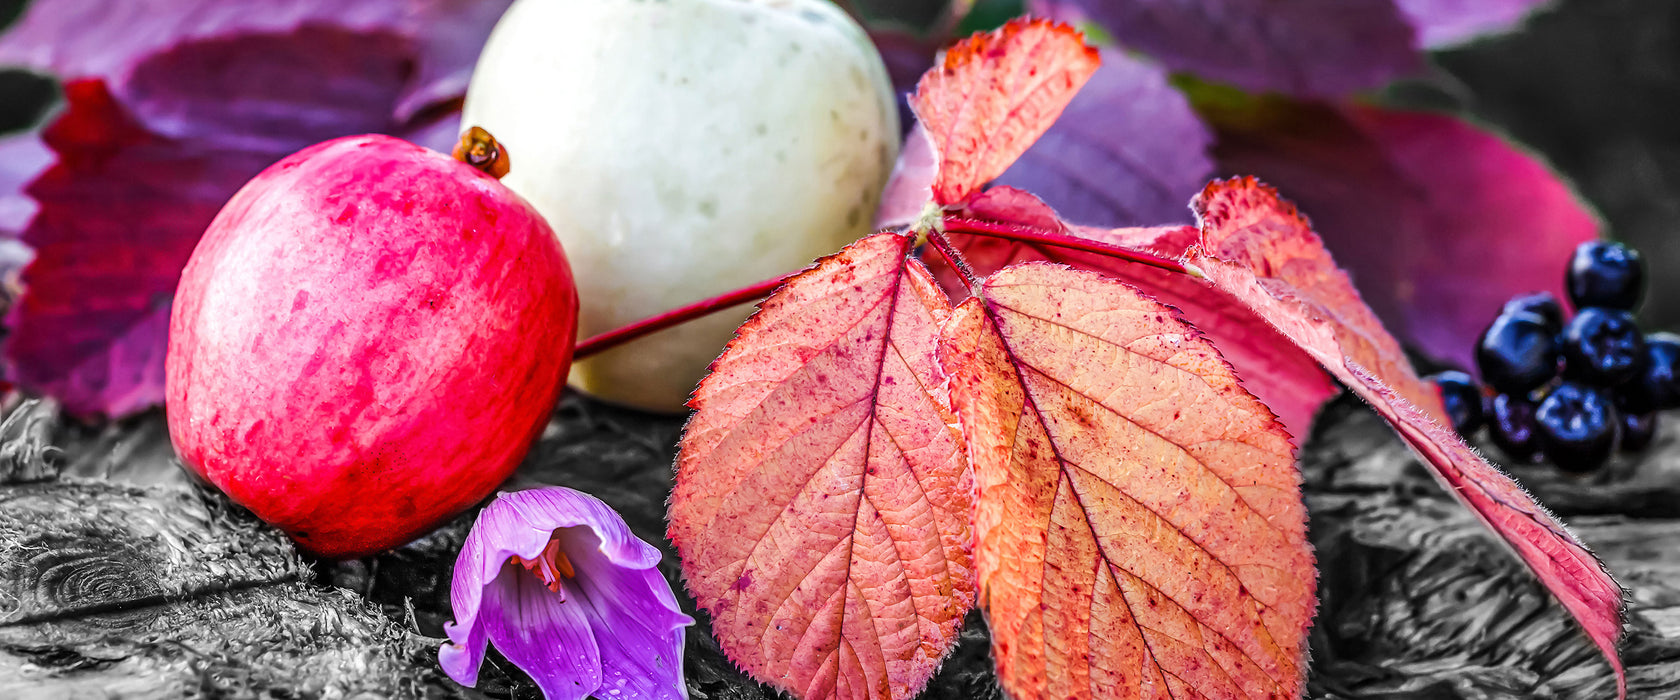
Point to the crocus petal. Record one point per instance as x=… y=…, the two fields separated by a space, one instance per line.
x=543 y=633
x=617 y=618
x=465 y=652
x=640 y=635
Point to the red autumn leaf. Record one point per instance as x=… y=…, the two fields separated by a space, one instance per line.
x=822 y=500
x=1247 y=228
x=1439 y=221
x=1127 y=151
x=994 y=95
x=1271 y=367
x=1258 y=248
x=1140 y=531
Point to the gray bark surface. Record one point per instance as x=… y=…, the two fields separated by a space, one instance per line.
x=121 y=576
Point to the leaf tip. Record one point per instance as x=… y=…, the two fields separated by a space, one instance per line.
x=1222 y=200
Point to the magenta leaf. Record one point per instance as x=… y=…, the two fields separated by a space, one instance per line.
x=137 y=182
x=1127 y=151
x=1303 y=47
x=1438 y=221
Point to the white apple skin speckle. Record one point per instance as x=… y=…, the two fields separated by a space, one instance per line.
x=681 y=149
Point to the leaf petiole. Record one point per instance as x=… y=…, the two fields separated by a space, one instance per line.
x=937 y=239
x=682 y=314
x=1033 y=234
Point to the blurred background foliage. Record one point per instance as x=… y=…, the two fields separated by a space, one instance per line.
x=1591 y=86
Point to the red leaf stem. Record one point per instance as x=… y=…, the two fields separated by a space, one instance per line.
x=1032 y=234
x=682 y=314
x=954 y=259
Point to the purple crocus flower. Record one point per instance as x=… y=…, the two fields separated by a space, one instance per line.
x=554 y=578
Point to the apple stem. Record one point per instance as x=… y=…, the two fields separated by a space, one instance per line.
x=480 y=150
x=1033 y=234
x=648 y=326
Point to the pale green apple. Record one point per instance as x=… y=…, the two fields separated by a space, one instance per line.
x=681 y=149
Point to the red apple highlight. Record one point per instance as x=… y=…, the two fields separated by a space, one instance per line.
x=366 y=341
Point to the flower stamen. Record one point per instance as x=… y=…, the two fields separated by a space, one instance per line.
x=551 y=566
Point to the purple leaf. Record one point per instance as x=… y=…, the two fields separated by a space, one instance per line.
x=1127 y=151
x=1302 y=47
x=1446 y=22
x=1438 y=222
x=448 y=34
x=139 y=178
x=271 y=93
x=109 y=38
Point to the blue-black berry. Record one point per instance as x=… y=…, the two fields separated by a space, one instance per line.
x=1517 y=353
x=1542 y=304
x=1511 y=424
x=1463 y=399
x=1603 y=347
x=1638 y=429
x=1577 y=426
x=1608 y=275
x=1657 y=388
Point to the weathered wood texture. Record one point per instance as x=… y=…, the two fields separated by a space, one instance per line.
x=1417 y=600
x=120 y=575
x=110 y=589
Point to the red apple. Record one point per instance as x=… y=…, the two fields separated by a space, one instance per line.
x=366 y=342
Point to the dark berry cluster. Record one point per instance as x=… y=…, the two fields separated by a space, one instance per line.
x=1570 y=391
